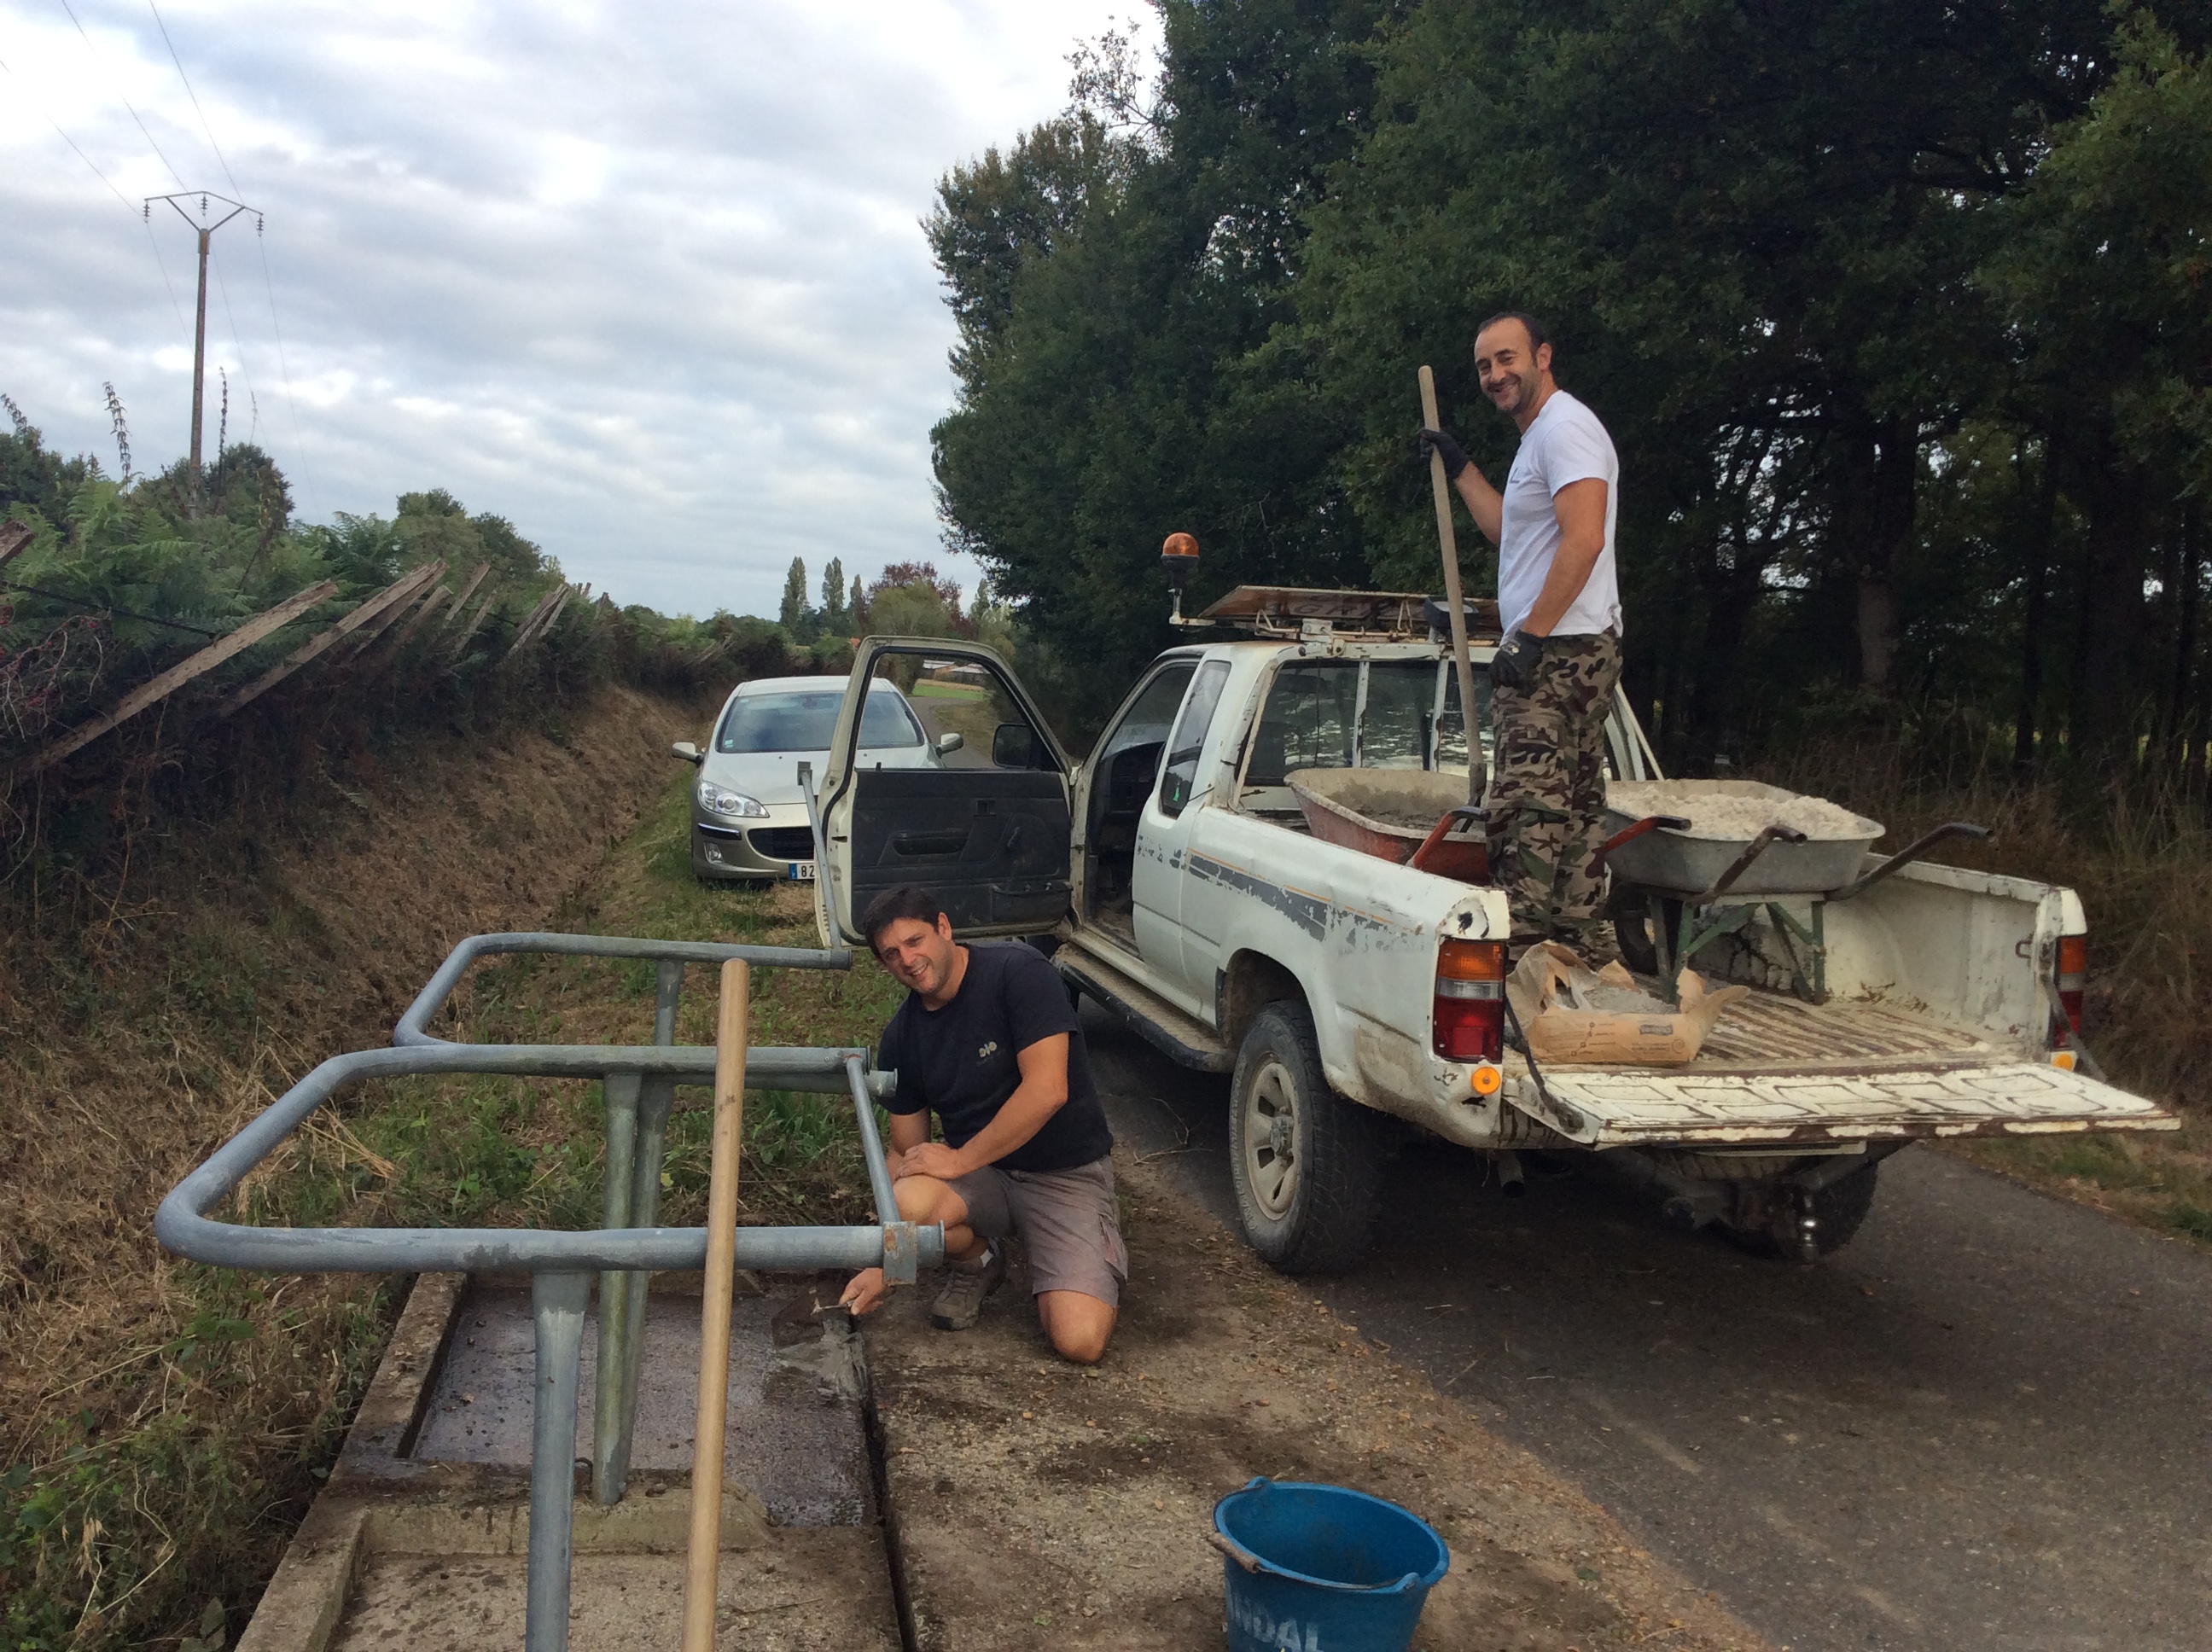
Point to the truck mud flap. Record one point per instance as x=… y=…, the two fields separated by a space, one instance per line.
x=1615 y=1108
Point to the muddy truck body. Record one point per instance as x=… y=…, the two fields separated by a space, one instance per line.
x=1176 y=878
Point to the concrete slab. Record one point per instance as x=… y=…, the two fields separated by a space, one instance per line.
x=825 y=1590
x=422 y=1533
x=796 y=1437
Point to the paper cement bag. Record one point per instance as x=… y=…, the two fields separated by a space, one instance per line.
x=1572 y=1015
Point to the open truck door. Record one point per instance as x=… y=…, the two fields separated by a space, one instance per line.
x=979 y=811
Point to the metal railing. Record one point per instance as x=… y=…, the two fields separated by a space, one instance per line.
x=638 y=1083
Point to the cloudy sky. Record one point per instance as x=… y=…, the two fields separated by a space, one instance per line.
x=646 y=280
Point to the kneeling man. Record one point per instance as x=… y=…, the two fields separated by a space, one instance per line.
x=988 y=1041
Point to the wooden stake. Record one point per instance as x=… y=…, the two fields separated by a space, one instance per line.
x=702 y=1571
x=1441 y=485
x=397 y=592
x=177 y=676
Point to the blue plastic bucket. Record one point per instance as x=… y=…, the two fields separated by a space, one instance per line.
x=1322 y=1569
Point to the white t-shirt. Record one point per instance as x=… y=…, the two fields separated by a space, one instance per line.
x=1564 y=444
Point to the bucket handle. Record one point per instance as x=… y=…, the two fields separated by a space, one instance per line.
x=1236 y=1552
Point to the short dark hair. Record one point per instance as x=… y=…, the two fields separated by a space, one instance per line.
x=903 y=900
x=1537 y=336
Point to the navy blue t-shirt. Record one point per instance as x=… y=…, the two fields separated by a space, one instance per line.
x=959 y=1062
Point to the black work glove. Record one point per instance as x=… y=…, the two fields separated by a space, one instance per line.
x=1436 y=441
x=1514 y=666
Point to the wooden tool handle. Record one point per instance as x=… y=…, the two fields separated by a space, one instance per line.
x=1440 y=485
x=701 y=1569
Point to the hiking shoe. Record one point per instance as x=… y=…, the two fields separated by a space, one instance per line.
x=960 y=1303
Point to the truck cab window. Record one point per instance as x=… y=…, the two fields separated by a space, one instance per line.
x=1401 y=704
x=1307 y=722
x=1182 y=771
x=1122 y=773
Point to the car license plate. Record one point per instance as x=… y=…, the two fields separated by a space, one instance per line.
x=802 y=871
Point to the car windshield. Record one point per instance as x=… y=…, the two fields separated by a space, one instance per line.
x=805 y=721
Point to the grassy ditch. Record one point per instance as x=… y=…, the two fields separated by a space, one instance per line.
x=2143 y=870
x=146 y=1504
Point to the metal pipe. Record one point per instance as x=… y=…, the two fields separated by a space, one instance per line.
x=557 y=1303
x=414 y=1025
x=1512 y=1180
x=609 y=1456
x=655 y=1097
x=871 y=1145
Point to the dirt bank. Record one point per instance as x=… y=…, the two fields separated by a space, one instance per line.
x=224 y=969
x=1038 y=1505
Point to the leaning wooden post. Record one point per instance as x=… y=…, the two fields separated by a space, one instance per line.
x=1441 y=485
x=700 y=1571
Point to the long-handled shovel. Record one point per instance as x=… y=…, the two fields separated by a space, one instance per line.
x=702 y=1570
x=1476 y=779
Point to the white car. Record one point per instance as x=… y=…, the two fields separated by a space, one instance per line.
x=748 y=813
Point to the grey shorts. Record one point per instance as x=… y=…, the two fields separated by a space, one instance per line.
x=1065 y=1219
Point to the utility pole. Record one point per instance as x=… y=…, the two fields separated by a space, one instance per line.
x=203 y=225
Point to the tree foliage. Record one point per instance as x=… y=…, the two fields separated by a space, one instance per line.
x=1896 y=313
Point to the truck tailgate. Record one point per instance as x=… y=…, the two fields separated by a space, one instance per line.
x=1775 y=1070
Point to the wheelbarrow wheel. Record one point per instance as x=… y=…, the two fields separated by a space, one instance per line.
x=1630 y=908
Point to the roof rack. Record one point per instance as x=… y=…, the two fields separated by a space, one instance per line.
x=1273 y=610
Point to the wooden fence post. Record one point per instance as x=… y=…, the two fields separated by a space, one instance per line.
x=397 y=592
x=467 y=591
x=461 y=642
x=14 y=539
x=147 y=693
x=370 y=629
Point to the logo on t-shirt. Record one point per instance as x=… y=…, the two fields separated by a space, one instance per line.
x=987 y=1051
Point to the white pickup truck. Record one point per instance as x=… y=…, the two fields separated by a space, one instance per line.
x=1188 y=897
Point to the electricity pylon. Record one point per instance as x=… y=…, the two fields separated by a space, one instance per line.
x=206 y=228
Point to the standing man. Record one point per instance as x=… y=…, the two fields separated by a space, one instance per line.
x=988 y=1041
x=1552 y=677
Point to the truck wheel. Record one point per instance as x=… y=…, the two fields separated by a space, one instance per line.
x=1306 y=1164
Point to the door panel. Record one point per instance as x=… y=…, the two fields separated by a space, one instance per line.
x=976 y=811
x=991 y=843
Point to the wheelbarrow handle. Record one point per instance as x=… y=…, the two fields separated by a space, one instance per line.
x=1466 y=811
x=1909 y=853
x=1630 y=834
x=1741 y=864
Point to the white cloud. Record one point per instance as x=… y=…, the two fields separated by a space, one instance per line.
x=647 y=282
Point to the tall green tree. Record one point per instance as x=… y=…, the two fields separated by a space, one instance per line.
x=1111 y=275
x=793 y=614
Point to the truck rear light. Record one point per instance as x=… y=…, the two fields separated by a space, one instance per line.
x=1469 y=1010
x=2073 y=970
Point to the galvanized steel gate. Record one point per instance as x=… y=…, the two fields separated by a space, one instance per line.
x=638 y=1083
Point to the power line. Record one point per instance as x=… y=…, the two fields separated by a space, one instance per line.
x=135 y=115
x=193 y=96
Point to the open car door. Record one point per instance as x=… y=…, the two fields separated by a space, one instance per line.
x=942 y=772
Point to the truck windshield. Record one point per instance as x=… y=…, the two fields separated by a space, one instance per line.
x=805 y=721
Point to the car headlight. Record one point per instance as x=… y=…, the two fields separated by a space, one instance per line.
x=721 y=800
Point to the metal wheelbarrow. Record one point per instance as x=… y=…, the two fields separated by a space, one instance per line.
x=1679 y=885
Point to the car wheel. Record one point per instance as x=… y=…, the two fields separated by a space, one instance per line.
x=1306 y=1164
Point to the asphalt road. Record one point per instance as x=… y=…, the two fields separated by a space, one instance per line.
x=1985 y=1424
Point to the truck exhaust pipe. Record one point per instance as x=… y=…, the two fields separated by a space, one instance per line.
x=1512 y=1180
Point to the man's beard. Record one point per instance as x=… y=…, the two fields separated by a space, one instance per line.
x=1523 y=391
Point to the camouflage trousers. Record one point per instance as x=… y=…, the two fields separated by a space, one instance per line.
x=1547 y=799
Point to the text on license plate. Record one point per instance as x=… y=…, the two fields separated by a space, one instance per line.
x=802 y=871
